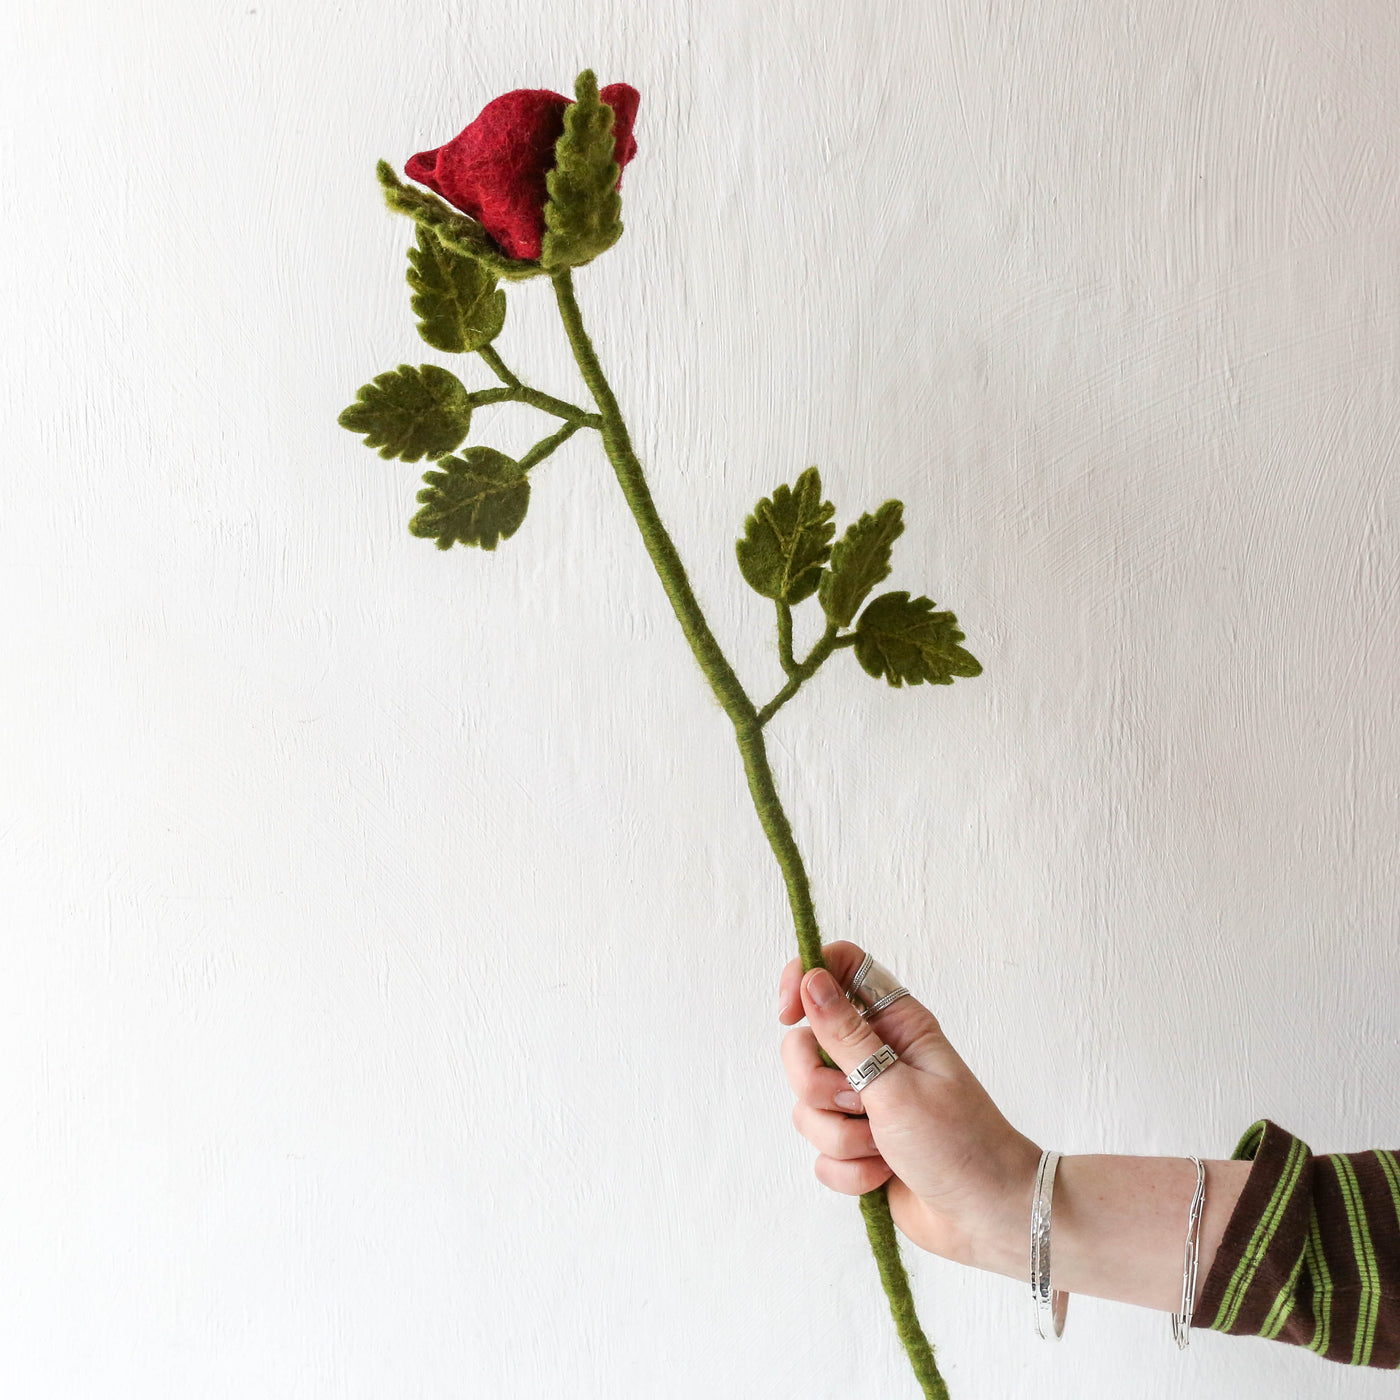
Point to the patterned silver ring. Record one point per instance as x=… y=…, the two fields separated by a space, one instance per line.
x=873 y=988
x=871 y=1068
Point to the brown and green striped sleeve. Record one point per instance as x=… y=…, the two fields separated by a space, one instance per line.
x=1311 y=1254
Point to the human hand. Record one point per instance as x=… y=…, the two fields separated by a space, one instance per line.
x=959 y=1176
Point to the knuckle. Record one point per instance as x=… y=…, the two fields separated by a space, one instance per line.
x=812 y=1088
x=849 y=1178
x=856 y=1137
x=930 y=1042
x=853 y=1032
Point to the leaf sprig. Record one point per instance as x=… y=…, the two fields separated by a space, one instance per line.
x=583 y=215
x=786 y=554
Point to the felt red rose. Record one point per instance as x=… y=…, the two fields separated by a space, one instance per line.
x=495 y=168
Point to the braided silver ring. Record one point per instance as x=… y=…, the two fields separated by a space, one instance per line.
x=873 y=988
x=871 y=1068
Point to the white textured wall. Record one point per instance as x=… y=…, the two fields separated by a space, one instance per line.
x=388 y=945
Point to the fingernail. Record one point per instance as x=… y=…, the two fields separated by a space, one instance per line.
x=847 y=1100
x=822 y=987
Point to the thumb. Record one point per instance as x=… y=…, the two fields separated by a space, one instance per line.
x=840 y=1029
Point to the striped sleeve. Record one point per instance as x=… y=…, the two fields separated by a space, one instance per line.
x=1311 y=1254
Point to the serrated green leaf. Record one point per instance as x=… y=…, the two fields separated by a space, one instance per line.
x=787 y=539
x=904 y=640
x=583 y=215
x=411 y=413
x=479 y=499
x=455 y=231
x=455 y=298
x=859 y=560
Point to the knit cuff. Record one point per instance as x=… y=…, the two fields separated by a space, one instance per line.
x=1249 y=1289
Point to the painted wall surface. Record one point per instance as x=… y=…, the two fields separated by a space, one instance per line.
x=389 y=946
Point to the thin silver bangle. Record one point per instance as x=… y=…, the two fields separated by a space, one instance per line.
x=1050 y=1304
x=1181 y=1321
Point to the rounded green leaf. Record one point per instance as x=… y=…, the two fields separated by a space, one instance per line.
x=455 y=298
x=411 y=413
x=479 y=498
x=787 y=539
x=905 y=641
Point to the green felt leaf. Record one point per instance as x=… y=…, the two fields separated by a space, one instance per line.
x=454 y=230
x=582 y=216
x=787 y=539
x=479 y=499
x=455 y=298
x=411 y=413
x=904 y=640
x=859 y=560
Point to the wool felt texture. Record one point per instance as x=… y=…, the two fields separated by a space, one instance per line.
x=455 y=298
x=583 y=214
x=480 y=496
x=454 y=230
x=495 y=168
x=884 y=1245
x=859 y=560
x=787 y=539
x=411 y=413
x=905 y=641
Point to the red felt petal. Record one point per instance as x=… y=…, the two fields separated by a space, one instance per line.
x=494 y=169
x=623 y=99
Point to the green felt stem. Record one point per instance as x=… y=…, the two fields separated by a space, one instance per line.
x=545 y=446
x=778 y=830
x=800 y=671
x=785 y=656
x=884 y=1244
x=748 y=728
x=498 y=365
x=618 y=445
x=516 y=392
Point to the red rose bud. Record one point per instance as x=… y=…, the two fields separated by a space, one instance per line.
x=495 y=168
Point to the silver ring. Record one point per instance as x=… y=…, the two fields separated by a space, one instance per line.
x=871 y=1068
x=873 y=988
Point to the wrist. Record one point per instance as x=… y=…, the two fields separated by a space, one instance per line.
x=1119 y=1225
x=997 y=1229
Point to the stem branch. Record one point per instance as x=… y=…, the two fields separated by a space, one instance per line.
x=801 y=671
x=516 y=392
x=498 y=366
x=545 y=446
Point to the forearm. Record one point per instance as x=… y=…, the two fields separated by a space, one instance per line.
x=1118 y=1226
